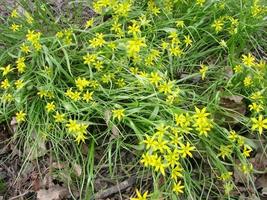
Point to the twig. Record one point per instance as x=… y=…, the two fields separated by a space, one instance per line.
x=114 y=189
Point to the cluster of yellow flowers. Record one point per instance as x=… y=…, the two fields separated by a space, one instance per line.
x=228 y=23
x=34 y=38
x=254 y=72
x=168 y=144
x=126 y=54
x=66 y=36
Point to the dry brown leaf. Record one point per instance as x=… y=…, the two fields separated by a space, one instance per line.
x=264 y=192
x=232 y=101
x=261 y=182
x=107 y=116
x=54 y=193
x=234 y=108
x=228 y=72
x=77 y=169
x=58 y=165
x=14 y=124
x=259 y=162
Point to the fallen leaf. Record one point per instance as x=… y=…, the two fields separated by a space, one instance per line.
x=259 y=162
x=58 y=165
x=77 y=169
x=14 y=124
x=261 y=181
x=233 y=109
x=228 y=72
x=264 y=192
x=53 y=193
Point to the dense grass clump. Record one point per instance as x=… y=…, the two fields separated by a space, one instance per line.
x=181 y=84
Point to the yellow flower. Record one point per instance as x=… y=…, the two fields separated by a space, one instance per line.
x=256 y=107
x=134 y=46
x=89 y=59
x=15 y=27
x=81 y=133
x=180 y=23
x=5 y=84
x=259 y=124
x=203 y=126
x=176 y=51
x=8 y=97
x=164 y=45
x=177 y=172
x=89 y=23
x=144 y=21
x=98 y=65
x=182 y=120
x=246 y=151
x=154 y=78
x=178 y=188
x=161 y=145
x=153 y=8
x=256 y=96
x=121 y=82
x=50 y=106
x=159 y=166
x=226 y=176
x=247 y=81
x=33 y=36
x=248 y=60
x=186 y=150
x=150 y=142
x=98 y=41
x=20 y=116
x=228 y=187
x=19 y=84
x=59 y=34
x=59 y=117
x=166 y=87
x=25 y=48
x=88 y=96
x=225 y=151
x=75 y=96
x=187 y=41
x=233 y=136
x=223 y=44
x=123 y=8
x=81 y=83
x=238 y=69
x=140 y=196
x=261 y=65
x=172 y=157
x=73 y=126
x=203 y=70
x=29 y=18
x=6 y=70
x=134 y=29
x=218 y=25
x=246 y=168
x=119 y=114
x=201 y=114
x=14 y=14
x=21 y=64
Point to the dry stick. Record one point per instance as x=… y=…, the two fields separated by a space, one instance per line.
x=114 y=189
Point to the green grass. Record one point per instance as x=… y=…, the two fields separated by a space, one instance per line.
x=198 y=73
